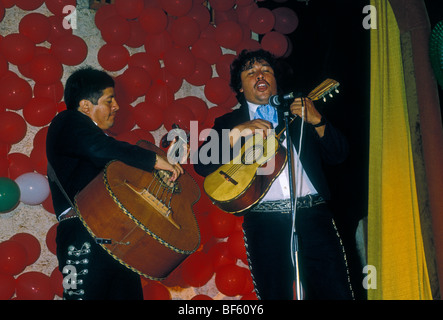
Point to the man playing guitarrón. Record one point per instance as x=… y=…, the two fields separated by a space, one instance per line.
x=78 y=150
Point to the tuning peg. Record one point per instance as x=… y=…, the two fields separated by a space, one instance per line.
x=324 y=99
x=336 y=90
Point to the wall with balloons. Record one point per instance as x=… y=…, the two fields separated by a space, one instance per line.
x=170 y=59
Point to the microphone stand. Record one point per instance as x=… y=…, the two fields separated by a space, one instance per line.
x=293 y=205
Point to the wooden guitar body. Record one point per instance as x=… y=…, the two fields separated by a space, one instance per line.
x=239 y=184
x=140 y=218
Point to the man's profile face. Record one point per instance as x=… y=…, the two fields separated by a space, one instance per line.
x=258 y=82
x=103 y=113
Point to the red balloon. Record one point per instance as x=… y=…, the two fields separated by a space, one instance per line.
x=177 y=114
x=17 y=48
x=236 y=245
x=230 y=279
x=207 y=50
x=113 y=57
x=70 y=49
x=39 y=112
x=241 y=3
x=19 y=164
x=261 y=21
x=223 y=66
x=201 y=297
x=153 y=20
x=223 y=16
x=146 y=61
x=228 y=34
x=176 y=8
x=173 y=82
x=57 y=30
x=15 y=92
x=129 y=9
x=220 y=255
x=154 y=290
x=116 y=30
x=217 y=90
x=29 y=5
x=50 y=239
x=48 y=205
x=157 y=44
x=13 y=257
x=179 y=61
x=45 y=69
x=286 y=20
x=52 y=91
x=222 y=5
x=56 y=6
x=248 y=44
x=148 y=117
x=56 y=278
x=222 y=223
x=30 y=243
x=39 y=160
x=35 y=26
x=244 y=12
x=7 y=286
x=198 y=107
x=201 y=15
x=103 y=13
x=137 y=35
x=136 y=81
x=135 y=136
x=13 y=127
x=34 y=286
x=202 y=73
x=197 y=269
x=160 y=95
x=275 y=42
x=185 y=31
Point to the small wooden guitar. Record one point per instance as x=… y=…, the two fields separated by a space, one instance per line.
x=236 y=186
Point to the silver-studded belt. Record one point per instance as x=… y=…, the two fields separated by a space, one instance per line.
x=284 y=206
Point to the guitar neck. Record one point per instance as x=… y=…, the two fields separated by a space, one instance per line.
x=320 y=92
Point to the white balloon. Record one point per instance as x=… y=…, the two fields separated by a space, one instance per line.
x=34 y=188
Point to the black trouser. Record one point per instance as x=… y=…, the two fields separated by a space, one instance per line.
x=322 y=261
x=99 y=276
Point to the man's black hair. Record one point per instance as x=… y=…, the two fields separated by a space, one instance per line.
x=86 y=83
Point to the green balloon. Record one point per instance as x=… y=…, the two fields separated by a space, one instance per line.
x=9 y=194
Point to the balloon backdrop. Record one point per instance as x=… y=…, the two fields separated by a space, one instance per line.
x=176 y=44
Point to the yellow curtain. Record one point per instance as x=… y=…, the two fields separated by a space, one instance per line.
x=395 y=245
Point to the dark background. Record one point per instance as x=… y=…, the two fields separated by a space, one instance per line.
x=330 y=42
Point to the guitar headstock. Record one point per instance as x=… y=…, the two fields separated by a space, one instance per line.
x=324 y=89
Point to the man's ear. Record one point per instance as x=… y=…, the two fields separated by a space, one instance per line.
x=85 y=106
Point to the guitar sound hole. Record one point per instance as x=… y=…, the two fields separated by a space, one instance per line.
x=252 y=154
x=163 y=177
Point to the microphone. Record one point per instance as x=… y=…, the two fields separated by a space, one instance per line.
x=279 y=99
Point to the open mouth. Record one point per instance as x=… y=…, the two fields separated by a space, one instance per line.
x=261 y=85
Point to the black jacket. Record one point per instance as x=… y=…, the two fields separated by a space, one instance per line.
x=78 y=150
x=332 y=148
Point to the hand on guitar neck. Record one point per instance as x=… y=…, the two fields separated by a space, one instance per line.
x=309 y=114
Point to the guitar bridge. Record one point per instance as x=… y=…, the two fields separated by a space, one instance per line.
x=160 y=207
x=228 y=177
